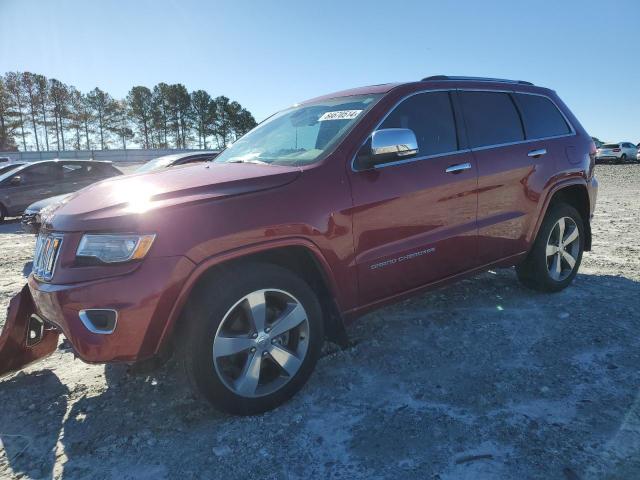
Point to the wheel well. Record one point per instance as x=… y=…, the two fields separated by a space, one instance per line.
x=302 y=262
x=578 y=198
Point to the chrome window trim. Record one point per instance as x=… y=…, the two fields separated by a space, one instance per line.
x=464 y=150
x=521 y=142
x=89 y=326
x=417 y=159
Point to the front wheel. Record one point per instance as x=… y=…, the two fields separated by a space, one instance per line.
x=623 y=158
x=254 y=337
x=555 y=257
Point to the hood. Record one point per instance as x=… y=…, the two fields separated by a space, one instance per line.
x=39 y=205
x=132 y=201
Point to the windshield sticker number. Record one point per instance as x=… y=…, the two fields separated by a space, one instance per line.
x=340 y=115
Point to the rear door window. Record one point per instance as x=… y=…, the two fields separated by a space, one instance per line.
x=73 y=171
x=39 y=174
x=541 y=117
x=491 y=118
x=430 y=116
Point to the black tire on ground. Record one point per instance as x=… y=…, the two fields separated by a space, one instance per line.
x=623 y=158
x=533 y=272
x=211 y=302
x=3 y=213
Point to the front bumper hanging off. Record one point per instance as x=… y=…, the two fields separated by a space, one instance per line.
x=25 y=338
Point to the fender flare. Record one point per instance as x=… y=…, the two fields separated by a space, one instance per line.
x=236 y=254
x=533 y=233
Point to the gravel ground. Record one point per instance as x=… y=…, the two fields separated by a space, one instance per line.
x=483 y=379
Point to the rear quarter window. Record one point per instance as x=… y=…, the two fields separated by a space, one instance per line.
x=102 y=170
x=491 y=118
x=540 y=116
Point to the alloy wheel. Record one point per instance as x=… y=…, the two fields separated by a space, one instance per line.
x=563 y=249
x=261 y=343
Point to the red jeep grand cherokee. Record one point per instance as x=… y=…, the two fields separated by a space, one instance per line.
x=326 y=210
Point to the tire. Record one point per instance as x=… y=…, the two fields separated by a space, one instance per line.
x=222 y=308
x=539 y=270
x=3 y=213
x=623 y=158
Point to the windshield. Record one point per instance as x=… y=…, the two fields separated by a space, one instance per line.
x=12 y=171
x=8 y=168
x=299 y=135
x=156 y=164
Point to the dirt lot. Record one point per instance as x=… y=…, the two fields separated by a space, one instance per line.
x=483 y=379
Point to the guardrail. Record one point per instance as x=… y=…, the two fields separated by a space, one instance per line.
x=134 y=155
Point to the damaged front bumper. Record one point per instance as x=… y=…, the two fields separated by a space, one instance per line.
x=25 y=338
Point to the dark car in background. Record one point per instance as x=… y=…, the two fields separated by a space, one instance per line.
x=178 y=159
x=31 y=216
x=20 y=187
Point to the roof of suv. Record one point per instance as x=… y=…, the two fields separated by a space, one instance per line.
x=439 y=79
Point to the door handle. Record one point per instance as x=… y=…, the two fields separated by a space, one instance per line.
x=537 y=153
x=458 y=168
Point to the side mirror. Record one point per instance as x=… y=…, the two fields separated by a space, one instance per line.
x=388 y=145
x=17 y=180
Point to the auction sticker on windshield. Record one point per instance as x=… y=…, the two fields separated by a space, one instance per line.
x=340 y=115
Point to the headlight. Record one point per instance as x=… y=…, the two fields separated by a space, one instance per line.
x=115 y=248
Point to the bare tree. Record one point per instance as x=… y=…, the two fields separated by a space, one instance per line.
x=222 y=126
x=119 y=124
x=160 y=113
x=7 y=121
x=140 y=109
x=179 y=113
x=242 y=122
x=59 y=101
x=14 y=88
x=42 y=91
x=102 y=106
x=31 y=95
x=204 y=112
x=31 y=104
x=77 y=117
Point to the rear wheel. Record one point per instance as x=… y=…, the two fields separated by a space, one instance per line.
x=254 y=337
x=555 y=257
x=3 y=213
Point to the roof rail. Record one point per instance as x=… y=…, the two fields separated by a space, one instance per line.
x=474 y=79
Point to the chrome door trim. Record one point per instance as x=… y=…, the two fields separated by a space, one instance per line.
x=416 y=159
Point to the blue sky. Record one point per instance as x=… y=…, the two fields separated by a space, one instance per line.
x=271 y=54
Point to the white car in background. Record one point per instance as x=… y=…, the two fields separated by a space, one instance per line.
x=638 y=154
x=617 y=152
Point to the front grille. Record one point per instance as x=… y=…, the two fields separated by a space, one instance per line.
x=47 y=250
